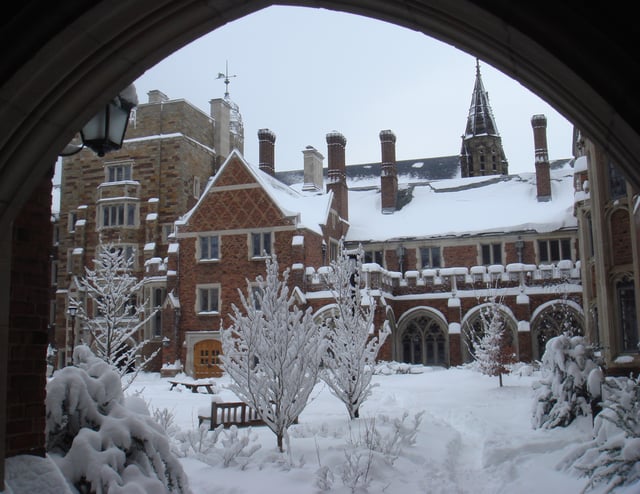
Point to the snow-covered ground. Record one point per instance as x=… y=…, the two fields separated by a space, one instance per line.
x=474 y=437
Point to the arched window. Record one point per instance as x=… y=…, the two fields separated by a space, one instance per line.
x=553 y=319
x=423 y=340
x=477 y=320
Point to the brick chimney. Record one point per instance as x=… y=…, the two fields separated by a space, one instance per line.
x=543 y=176
x=389 y=172
x=337 y=172
x=266 y=151
x=313 y=164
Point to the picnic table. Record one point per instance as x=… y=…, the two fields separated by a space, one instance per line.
x=194 y=385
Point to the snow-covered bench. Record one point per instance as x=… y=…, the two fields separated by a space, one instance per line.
x=230 y=413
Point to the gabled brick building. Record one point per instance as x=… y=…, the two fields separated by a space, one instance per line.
x=242 y=216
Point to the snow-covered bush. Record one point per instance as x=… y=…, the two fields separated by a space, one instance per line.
x=350 y=361
x=101 y=441
x=371 y=448
x=272 y=351
x=220 y=446
x=612 y=458
x=563 y=391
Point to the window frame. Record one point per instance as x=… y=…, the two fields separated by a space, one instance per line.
x=493 y=248
x=111 y=216
x=431 y=250
x=204 y=254
x=262 y=236
x=209 y=288
x=371 y=256
x=118 y=172
x=547 y=247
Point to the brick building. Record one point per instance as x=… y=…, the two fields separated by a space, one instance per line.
x=440 y=236
x=132 y=197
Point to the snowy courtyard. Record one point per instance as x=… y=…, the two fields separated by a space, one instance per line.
x=472 y=437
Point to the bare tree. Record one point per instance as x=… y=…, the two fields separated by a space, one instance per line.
x=272 y=351
x=116 y=318
x=353 y=349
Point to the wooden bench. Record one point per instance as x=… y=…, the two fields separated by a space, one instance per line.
x=193 y=386
x=231 y=413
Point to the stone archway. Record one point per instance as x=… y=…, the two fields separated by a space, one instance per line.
x=422 y=338
x=474 y=323
x=69 y=58
x=554 y=318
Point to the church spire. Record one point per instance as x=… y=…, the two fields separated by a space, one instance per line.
x=482 y=152
x=480 y=120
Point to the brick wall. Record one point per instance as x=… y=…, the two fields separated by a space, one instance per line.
x=28 y=320
x=621 y=247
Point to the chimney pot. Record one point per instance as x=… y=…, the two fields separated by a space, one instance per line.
x=266 y=151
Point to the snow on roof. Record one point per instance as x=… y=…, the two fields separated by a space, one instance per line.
x=455 y=207
x=310 y=209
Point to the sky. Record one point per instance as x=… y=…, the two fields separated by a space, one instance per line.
x=304 y=72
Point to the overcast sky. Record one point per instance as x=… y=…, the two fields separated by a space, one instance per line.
x=304 y=72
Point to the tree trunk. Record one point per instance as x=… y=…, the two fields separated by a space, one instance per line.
x=280 y=436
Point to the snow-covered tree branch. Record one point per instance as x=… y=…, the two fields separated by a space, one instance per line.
x=272 y=351
x=353 y=349
x=116 y=317
x=563 y=392
x=487 y=340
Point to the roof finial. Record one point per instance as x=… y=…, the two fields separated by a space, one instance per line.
x=225 y=76
x=477 y=66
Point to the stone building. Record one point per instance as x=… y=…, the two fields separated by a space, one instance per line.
x=606 y=207
x=132 y=197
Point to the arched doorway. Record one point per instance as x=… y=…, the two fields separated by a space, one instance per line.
x=422 y=338
x=554 y=318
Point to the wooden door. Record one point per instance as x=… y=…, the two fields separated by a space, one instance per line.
x=206 y=356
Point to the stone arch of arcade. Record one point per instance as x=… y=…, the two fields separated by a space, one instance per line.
x=473 y=324
x=421 y=336
x=67 y=59
x=554 y=318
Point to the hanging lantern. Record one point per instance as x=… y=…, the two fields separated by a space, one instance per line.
x=105 y=131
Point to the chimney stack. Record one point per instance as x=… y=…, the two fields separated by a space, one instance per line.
x=389 y=172
x=543 y=175
x=337 y=172
x=312 y=169
x=266 y=151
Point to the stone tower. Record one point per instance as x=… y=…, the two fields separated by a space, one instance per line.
x=482 y=152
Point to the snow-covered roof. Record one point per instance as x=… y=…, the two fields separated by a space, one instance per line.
x=310 y=209
x=463 y=206
x=368 y=174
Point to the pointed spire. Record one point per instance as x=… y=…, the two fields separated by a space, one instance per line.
x=480 y=120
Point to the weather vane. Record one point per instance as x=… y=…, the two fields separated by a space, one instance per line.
x=225 y=76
